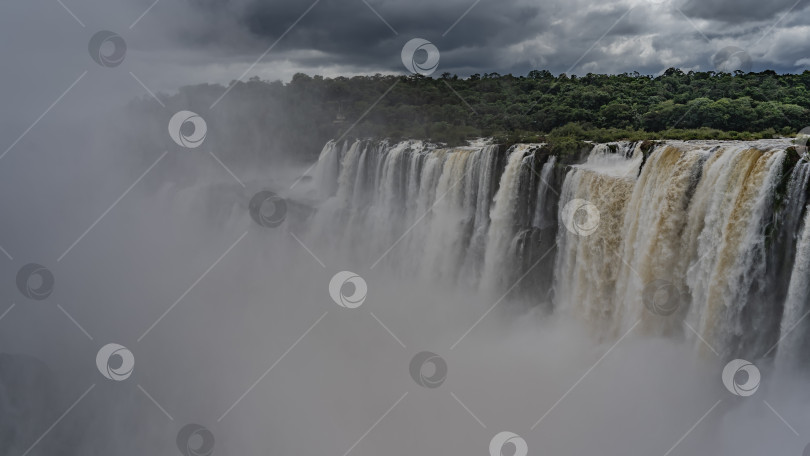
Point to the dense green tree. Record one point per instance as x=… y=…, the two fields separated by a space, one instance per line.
x=302 y=115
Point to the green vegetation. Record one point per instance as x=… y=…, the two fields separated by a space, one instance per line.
x=308 y=111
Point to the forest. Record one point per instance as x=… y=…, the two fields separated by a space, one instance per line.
x=298 y=117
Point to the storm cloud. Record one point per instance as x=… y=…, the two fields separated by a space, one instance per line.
x=67 y=153
x=510 y=36
x=197 y=41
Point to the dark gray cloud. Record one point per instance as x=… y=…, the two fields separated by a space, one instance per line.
x=196 y=41
x=180 y=42
x=505 y=36
x=66 y=160
x=739 y=10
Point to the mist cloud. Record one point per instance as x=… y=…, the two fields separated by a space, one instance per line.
x=66 y=164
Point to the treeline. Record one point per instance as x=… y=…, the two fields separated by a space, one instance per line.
x=300 y=116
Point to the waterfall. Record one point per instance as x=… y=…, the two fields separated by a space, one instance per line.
x=697 y=240
x=327 y=172
x=787 y=227
x=448 y=235
x=794 y=329
x=589 y=262
x=502 y=227
x=655 y=219
x=540 y=218
x=793 y=348
x=482 y=188
x=411 y=196
x=726 y=239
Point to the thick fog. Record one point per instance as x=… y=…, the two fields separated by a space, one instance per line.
x=231 y=326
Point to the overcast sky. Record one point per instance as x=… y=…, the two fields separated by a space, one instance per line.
x=179 y=42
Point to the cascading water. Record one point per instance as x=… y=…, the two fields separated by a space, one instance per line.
x=709 y=227
x=541 y=218
x=657 y=214
x=786 y=230
x=726 y=231
x=793 y=348
x=589 y=262
x=503 y=225
x=794 y=329
x=411 y=196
